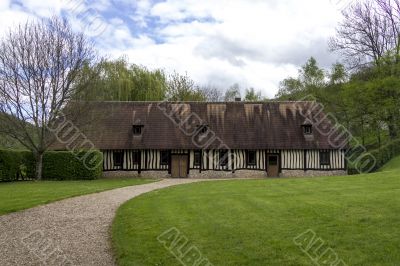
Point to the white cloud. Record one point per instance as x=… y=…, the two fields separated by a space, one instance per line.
x=172 y=10
x=255 y=43
x=10 y=18
x=5 y=4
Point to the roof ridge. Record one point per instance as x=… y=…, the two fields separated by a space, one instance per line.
x=201 y=102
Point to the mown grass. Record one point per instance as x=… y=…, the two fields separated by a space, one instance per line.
x=253 y=222
x=22 y=195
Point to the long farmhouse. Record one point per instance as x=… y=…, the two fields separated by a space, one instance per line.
x=200 y=139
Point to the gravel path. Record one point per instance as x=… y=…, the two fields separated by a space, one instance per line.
x=73 y=231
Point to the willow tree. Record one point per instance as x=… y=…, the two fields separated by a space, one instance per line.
x=40 y=61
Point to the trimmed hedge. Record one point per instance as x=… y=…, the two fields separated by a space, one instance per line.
x=65 y=165
x=16 y=165
x=382 y=156
x=57 y=165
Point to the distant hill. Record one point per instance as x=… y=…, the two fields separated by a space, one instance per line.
x=7 y=142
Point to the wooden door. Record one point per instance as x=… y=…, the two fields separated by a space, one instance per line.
x=174 y=166
x=183 y=164
x=273 y=165
x=179 y=164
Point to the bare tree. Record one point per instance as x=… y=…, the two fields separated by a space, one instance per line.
x=370 y=30
x=212 y=94
x=39 y=63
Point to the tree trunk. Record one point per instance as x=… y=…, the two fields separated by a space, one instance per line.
x=379 y=139
x=392 y=132
x=39 y=166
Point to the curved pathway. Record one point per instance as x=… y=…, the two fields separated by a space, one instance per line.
x=74 y=231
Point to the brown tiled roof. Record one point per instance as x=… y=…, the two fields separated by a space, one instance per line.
x=238 y=125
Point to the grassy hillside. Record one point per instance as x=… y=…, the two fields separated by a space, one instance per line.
x=254 y=222
x=7 y=142
x=392 y=165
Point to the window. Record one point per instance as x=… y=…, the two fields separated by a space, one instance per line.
x=118 y=158
x=197 y=158
x=272 y=160
x=203 y=129
x=137 y=130
x=251 y=157
x=223 y=157
x=307 y=129
x=324 y=158
x=135 y=157
x=164 y=157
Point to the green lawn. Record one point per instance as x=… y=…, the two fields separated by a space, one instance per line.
x=22 y=195
x=253 y=222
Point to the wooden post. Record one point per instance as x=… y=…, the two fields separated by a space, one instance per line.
x=140 y=162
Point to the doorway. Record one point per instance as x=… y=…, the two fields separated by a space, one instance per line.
x=179 y=165
x=273 y=165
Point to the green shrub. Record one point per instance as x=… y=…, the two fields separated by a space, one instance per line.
x=57 y=165
x=65 y=165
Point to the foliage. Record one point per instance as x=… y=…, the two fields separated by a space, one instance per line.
x=57 y=165
x=252 y=96
x=310 y=78
x=16 y=165
x=65 y=165
x=365 y=101
x=386 y=153
x=22 y=195
x=232 y=93
x=120 y=81
x=183 y=88
x=231 y=226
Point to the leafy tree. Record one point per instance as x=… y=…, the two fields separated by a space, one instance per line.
x=310 y=79
x=232 y=93
x=311 y=75
x=183 y=88
x=366 y=102
x=338 y=74
x=119 y=81
x=253 y=96
x=290 y=89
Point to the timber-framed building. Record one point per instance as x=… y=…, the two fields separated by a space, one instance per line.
x=201 y=139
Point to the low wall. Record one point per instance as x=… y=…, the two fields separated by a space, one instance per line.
x=227 y=174
x=223 y=174
x=302 y=173
x=135 y=174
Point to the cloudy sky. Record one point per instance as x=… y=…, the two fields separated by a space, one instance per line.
x=254 y=43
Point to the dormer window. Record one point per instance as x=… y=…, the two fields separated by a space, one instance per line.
x=307 y=129
x=137 y=130
x=203 y=129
